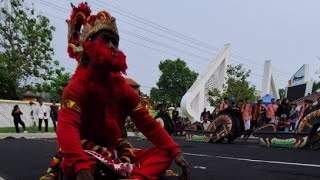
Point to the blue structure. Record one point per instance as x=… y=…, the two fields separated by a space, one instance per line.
x=267 y=99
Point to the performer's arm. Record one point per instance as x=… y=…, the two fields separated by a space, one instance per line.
x=147 y=125
x=68 y=134
x=153 y=131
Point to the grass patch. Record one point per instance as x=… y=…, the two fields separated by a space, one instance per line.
x=33 y=129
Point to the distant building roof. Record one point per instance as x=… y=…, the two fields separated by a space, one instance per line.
x=313 y=96
x=131 y=82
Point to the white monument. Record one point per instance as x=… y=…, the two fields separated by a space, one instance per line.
x=196 y=98
x=268 y=82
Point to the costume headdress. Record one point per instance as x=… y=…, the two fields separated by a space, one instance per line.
x=82 y=25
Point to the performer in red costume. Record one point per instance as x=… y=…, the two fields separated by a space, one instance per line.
x=95 y=105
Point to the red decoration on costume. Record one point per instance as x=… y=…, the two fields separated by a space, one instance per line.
x=77 y=19
x=96 y=103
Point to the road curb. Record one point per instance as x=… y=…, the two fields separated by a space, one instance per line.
x=27 y=135
x=35 y=135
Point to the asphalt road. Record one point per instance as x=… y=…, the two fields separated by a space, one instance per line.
x=28 y=159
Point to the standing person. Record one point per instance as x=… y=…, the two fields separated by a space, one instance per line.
x=271 y=111
x=256 y=111
x=54 y=114
x=309 y=108
x=206 y=122
x=246 y=114
x=240 y=105
x=283 y=112
x=42 y=115
x=175 y=114
x=232 y=103
x=224 y=105
x=318 y=103
x=179 y=126
x=293 y=116
x=211 y=115
x=303 y=108
x=164 y=115
x=16 y=113
x=188 y=123
x=204 y=112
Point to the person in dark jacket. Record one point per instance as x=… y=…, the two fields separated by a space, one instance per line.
x=179 y=126
x=284 y=112
x=168 y=124
x=175 y=115
x=204 y=112
x=16 y=113
x=54 y=114
x=310 y=108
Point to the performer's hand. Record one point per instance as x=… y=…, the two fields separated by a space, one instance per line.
x=84 y=174
x=180 y=161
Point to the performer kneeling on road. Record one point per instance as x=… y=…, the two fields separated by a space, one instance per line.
x=95 y=105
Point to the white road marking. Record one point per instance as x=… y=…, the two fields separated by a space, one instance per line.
x=199 y=167
x=270 y=162
x=249 y=160
x=255 y=160
x=199 y=155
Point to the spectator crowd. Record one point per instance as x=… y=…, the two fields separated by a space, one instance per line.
x=280 y=112
x=40 y=113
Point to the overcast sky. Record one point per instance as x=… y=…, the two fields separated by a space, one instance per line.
x=287 y=32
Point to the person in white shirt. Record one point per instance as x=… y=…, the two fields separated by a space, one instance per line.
x=42 y=114
x=206 y=122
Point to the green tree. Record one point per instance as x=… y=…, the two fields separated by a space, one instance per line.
x=25 y=50
x=316 y=86
x=237 y=86
x=215 y=97
x=282 y=93
x=55 y=87
x=175 y=79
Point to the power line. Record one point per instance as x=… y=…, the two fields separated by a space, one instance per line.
x=164 y=45
x=154 y=24
x=127 y=40
x=232 y=55
x=144 y=29
x=142 y=37
x=164 y=52
x=172 y=32
x=157 y=26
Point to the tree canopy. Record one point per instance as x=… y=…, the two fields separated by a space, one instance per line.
x=237 y=86
x=282 y=93
x=316 y=86
x=25 y=50
x=55 y=87
x=175 y=80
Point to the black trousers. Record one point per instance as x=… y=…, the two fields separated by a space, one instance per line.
x=253 y=124
x=46 y=123
x=54 y=121
x=16 y=124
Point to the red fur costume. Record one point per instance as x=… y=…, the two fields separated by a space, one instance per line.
x=95 y=105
